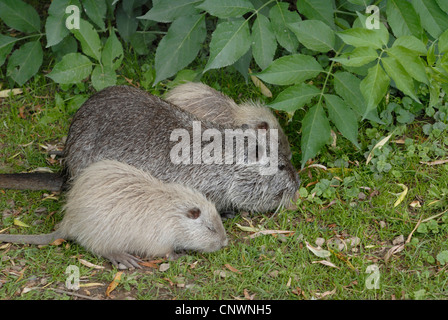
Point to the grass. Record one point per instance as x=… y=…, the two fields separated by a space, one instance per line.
x=336 y=205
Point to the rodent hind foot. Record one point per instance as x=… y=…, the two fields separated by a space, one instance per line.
x=124 y=260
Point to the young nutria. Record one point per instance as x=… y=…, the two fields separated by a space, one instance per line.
x=209 y=104
x=115 y=210
x=132 y=126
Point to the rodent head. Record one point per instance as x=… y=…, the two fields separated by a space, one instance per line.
x=255 y=192
x=201 y=229
x=266 y=183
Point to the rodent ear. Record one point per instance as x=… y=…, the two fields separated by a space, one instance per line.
x=263 y=125
x=194 y=213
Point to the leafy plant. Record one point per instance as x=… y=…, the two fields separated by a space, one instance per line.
x=333 y=65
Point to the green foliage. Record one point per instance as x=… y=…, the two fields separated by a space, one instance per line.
x=332 y=64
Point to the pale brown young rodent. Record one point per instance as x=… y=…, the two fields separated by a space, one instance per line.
x=117 y=211
x=210 y=104
x=132 y=126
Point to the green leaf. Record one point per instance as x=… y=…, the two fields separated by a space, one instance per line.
x=112 y=54
x=19 y=15
x=402 y=79
x=96 y=11
x=403 y=19
x=243 y=63
x=442 y=257
x=291 y=69
x=411 y=62
x=294 y=97
x=374 y=87
x=360 y=37
x=55 y=28
x=314 y=34
x=230 y=41
x=343 y=117
x=127 y=23
x=358 y=57
x=179 y=46
x=6 y=45
x=168 y=11
x=434 y=20
x=141 y=42
x=103 y=77
x=263 y=41
x=443 y=4
x=346 y=86
x=73 y=68
x=89 y=39
x=411 y=43
x=317 y=10
x=130 y=5
x=443 y=42
x=280 y=18
x=226 y=8
x=315 y=132
x=67 y=45
x=25 y=62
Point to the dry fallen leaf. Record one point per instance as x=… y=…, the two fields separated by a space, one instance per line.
x=57 y=242
x=402 y=194
x=89 y=264
x=273 y=232
x=379 y=145
x=392 y=251
x=398 y=240
x=247 y=295
x=319 y=242
x=164 y=266
x=415 y=204
x=111 y=287
x=260 y=85
x=248 y=229
x=326 y=293
x=5 y=93
x=321 y=253
x=326 y=263
x=151 y=264
x=433 y=163
x=228 y=266
x=19 y=223
x=91 y=284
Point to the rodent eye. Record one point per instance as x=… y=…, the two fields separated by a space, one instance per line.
x=211 y=229
x=281 y=167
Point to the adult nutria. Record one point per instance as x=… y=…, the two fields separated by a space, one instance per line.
x=132 y=126
x=115 y=210
x=209 y=104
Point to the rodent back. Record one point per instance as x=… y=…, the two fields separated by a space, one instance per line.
x=208 y=103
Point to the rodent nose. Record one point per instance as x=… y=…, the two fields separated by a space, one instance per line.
x=225 y=243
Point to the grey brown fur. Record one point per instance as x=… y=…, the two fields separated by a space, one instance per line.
x=130 y=125
x=115 y=210
x=209 y=104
